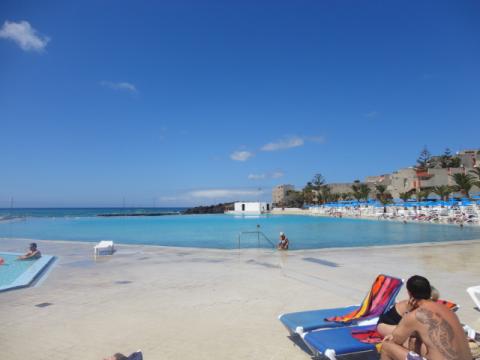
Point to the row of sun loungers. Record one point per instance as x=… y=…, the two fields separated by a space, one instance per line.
x=351 y=330
x=459 y=214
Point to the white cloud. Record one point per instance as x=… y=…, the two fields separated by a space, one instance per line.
x=287 y=143
x=241 y=155
x=372 y=114
x=24 y=35
x=273 y=175
x=225 y=193
x=122 y=86
x=277 y=174
x=256 y=176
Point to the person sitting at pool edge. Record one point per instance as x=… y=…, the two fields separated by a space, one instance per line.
x=32 y=254
x=283 y=243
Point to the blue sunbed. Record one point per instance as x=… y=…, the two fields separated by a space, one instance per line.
x=298 y=323
x=337 y=342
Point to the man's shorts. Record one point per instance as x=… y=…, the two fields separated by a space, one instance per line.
x=414 y=356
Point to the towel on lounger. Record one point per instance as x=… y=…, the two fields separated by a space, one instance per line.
x=377 y=299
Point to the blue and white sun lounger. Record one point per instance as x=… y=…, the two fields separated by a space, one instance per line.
x=298 y=323
x=337 y=342
x=380 y=298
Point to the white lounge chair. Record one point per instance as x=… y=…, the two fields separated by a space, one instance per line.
x=474 y=292
x=104 y=247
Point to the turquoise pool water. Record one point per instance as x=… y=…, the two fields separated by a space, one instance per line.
x=222 y=231
x=12 y=268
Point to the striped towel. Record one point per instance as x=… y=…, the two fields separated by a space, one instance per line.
x=380 y=296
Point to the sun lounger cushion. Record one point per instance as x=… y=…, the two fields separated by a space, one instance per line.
x=304 y=321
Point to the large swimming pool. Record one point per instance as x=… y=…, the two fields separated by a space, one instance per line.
x=222 y=231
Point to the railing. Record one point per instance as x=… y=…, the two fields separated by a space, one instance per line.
x=260 y=235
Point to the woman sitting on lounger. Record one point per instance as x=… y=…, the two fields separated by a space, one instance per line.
x=388 y=321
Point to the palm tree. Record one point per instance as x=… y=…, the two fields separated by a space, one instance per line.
x=405 y=196
x=476 y=171
x=382 y=194
x=422 y=194
x=356 y=190
x=364 y=190
x=464 y=183
x=443 y=191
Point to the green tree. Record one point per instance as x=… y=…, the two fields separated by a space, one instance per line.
x=382 y=194
x=405 y=196
x=424 y=159
x=446 y=158
x=356 y=190
x=308 y=193
x=347 y=196
x=364 y=191
x=294 y=199
x=476 y=172
x=422 y=194
x=325 y=194
x=318 y=182
x=443 y=191
x=463 y=183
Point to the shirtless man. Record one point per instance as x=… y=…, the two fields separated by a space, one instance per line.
x=432 y=324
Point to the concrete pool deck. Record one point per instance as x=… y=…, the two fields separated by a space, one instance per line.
x=178 y=303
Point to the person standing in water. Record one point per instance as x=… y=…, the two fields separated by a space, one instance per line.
x=283 y=243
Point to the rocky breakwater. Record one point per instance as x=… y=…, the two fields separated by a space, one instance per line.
x=212 y=209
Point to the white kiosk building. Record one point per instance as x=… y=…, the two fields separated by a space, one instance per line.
x=250 y=208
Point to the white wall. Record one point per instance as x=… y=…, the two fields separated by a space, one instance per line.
x=253 y=207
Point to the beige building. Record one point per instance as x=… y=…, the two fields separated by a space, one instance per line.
x=279 y=194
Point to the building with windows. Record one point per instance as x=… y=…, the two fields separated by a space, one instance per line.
x=280 y=194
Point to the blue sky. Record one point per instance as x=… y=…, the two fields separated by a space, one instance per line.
x=185 y=103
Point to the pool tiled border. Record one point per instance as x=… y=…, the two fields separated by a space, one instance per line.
x=31 y=274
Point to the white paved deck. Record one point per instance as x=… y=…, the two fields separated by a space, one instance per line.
x=204 y=304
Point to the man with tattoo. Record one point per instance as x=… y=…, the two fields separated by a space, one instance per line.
x=437 y=331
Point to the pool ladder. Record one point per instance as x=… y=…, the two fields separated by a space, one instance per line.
x=260 y=235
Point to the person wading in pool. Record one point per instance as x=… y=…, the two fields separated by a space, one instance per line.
x=432 y=324
x=283 y=243
x=32 y=254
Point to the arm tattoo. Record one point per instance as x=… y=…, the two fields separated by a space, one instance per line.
x=439 y=331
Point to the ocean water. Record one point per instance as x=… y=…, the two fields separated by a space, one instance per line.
x=223 y=231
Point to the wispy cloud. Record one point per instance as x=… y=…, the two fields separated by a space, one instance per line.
x=241 y=155
x=263 y=176
x=282 y=144
x=121 y=86
x=24 y=35
x=372 y=114
x=277 y=175
x=225 y=193
x=257 y=176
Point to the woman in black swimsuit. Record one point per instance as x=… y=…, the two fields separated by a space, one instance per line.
x=388 y=321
